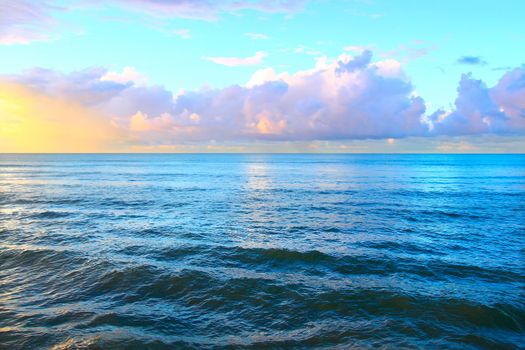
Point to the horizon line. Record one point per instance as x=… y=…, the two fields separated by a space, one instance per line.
x=241 y=153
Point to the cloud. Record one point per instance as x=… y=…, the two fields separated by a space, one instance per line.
x=456 y=147
x=406 y=53
x=24 y=21
x=304 y=50
x=471 y=60
x=93 y=89
x=348 y=98
x=479 y=109
x=182 y=33
x=262 y=76
x=341 y=99
x=88 y=87
x=239 y=61
x=211 y=9
x=357 y=48
x=475 y=112
x=356 y=63
x=327 y=102
x=128 y=75
x=257 y=36
x=509 y=95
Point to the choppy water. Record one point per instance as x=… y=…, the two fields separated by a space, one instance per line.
x=262 y=251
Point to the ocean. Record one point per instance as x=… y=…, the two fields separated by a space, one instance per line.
x=260 y=251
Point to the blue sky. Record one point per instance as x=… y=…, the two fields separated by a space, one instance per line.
x=181 y=47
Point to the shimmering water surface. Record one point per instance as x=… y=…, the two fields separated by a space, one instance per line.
x=262 y=251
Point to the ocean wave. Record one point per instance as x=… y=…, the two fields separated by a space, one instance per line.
x=251 y=252
x=48 y=214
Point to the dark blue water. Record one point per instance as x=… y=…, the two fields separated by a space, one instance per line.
x=262 y=251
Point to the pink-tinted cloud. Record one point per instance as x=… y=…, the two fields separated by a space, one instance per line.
x=350 y=98
x=210 y=9
x=479 y=109
x=24 y=21
x=509 y=94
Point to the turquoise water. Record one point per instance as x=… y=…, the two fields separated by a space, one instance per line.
x=262 y=251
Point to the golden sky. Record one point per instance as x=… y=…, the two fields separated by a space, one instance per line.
x=32 y=122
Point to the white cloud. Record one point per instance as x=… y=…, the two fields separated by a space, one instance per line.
x=128 y=75
x=239 y=61
x=357 y=48
x=262 y=76
x=182 y=33
x=257 y=36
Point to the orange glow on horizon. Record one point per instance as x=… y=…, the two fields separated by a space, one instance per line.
x=36 y=123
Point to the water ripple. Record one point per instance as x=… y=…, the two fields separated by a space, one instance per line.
x=262 y=251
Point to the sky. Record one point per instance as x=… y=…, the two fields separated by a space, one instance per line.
x=262 y=76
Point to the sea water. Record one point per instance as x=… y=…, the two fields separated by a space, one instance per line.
x=260 y=251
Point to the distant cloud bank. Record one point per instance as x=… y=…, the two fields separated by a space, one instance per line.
x=351 y=97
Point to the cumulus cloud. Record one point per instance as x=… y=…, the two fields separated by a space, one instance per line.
x=479 y=109
x=346 y=98
x=261 y=76
x=509 y=94
x=358 y=62
x=88 y=87
x=112 y=93
x=239 y=61
x=349 y=98
x=128 y=75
